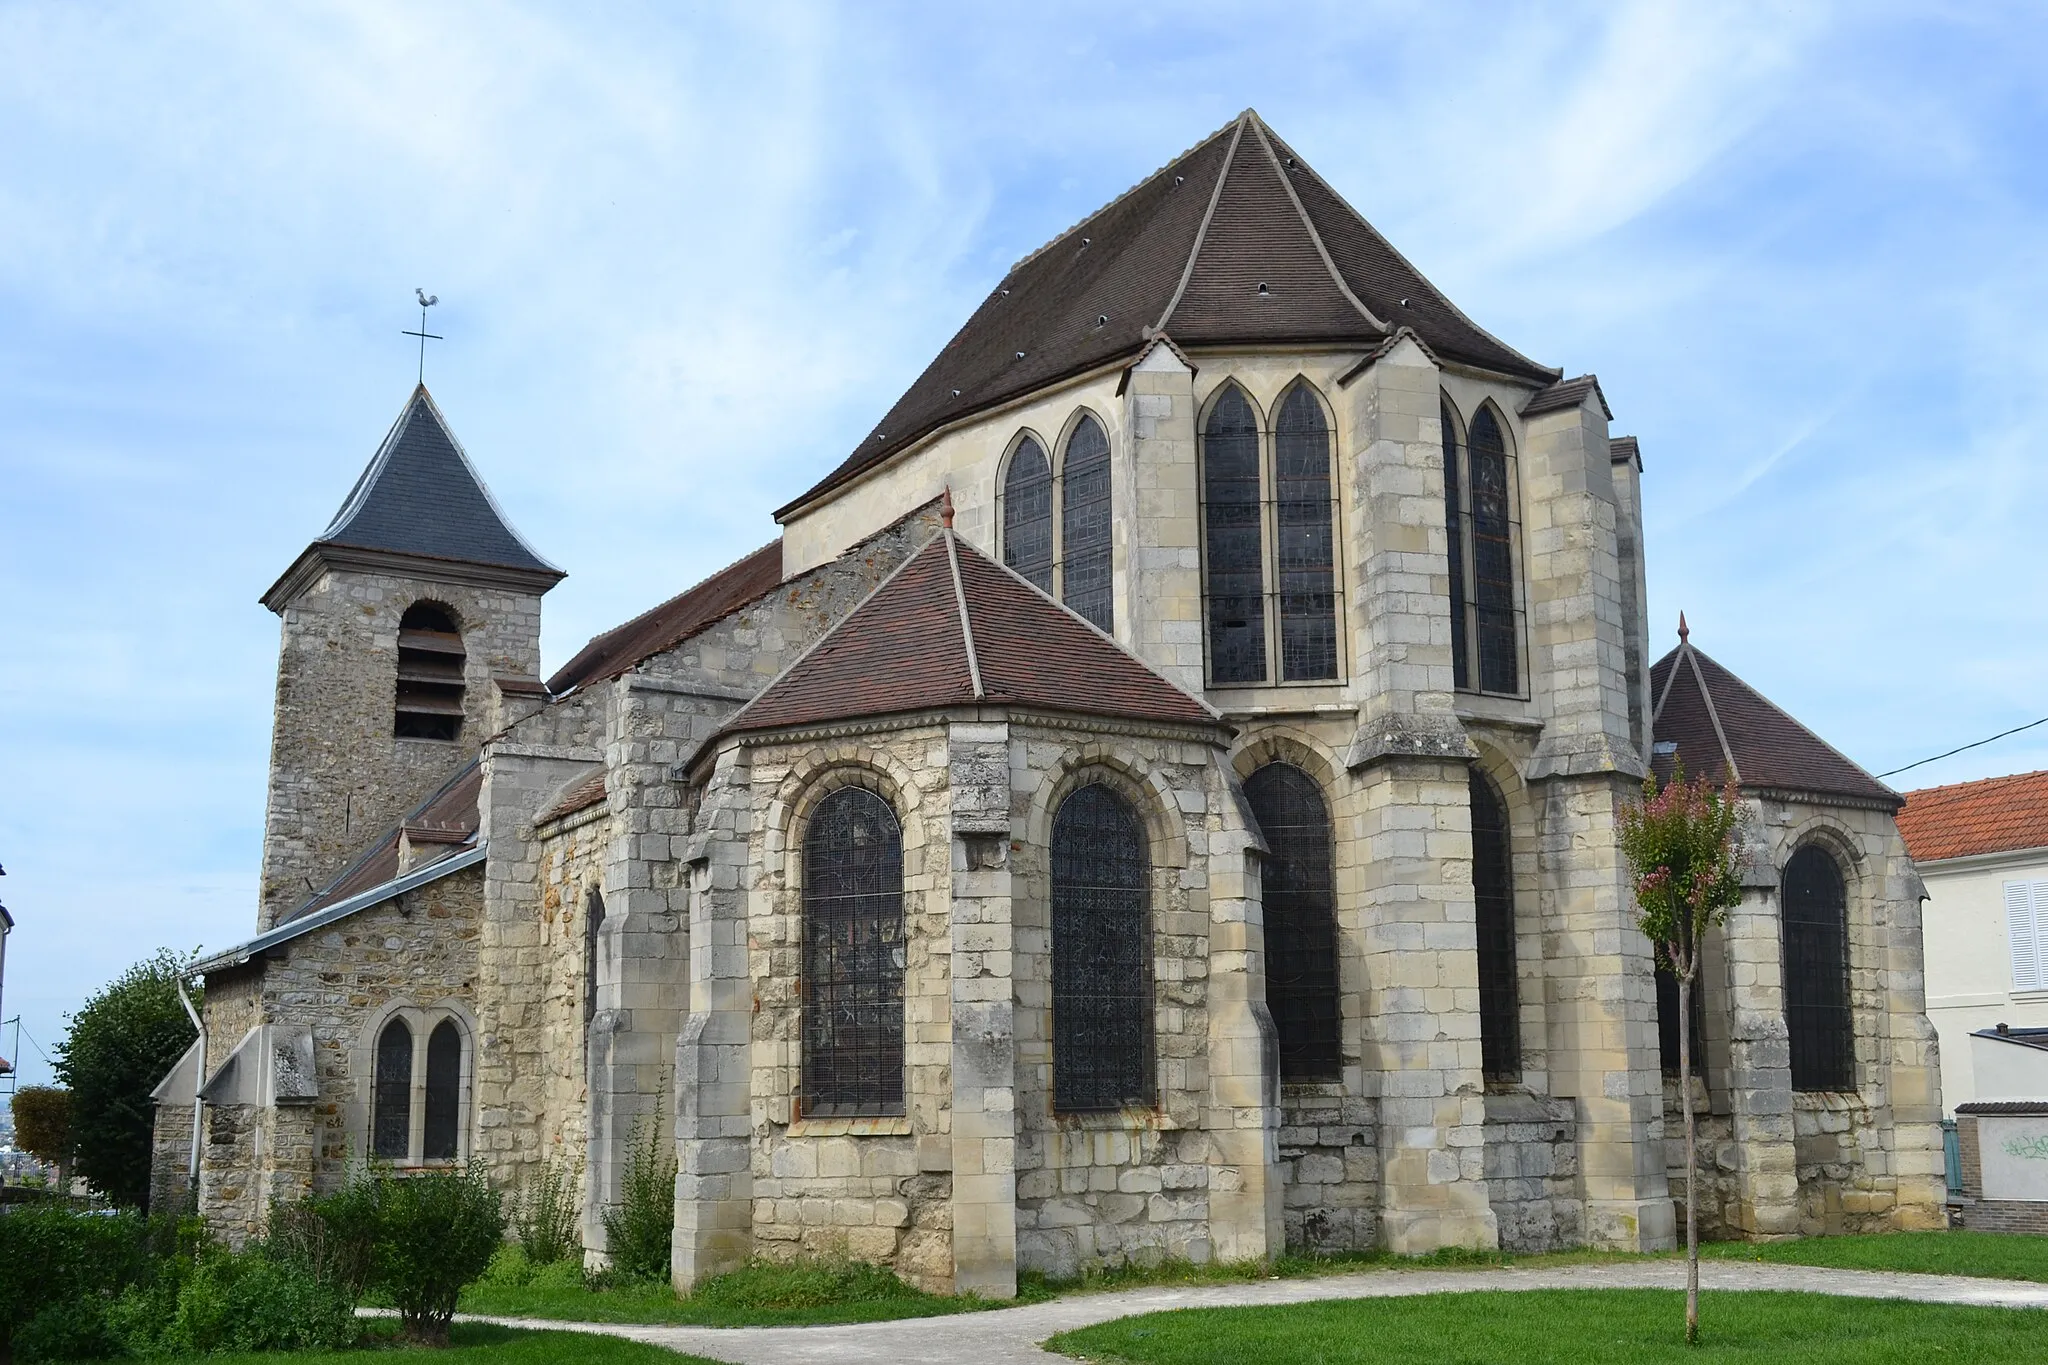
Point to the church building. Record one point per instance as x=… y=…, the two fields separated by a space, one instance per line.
x=1155 y=797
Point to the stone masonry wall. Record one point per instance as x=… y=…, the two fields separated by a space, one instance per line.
x=1532 y=1172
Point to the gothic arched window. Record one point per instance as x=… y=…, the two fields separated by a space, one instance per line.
x=1304 y=542
x=1479 y=506
x=1301 y=921
x=1493 y=886
x=442 y=1138
x=391 y=1096
x=1086 y=584
x=1027 y=513
x=1101 y=956
x=1814 y=907
x=430 y=663
x=853 y=958
x=418 y=1095
x=1234 y=545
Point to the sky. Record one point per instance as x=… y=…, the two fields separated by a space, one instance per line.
x=687 y=255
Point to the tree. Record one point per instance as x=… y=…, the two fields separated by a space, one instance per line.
x=121 y=1043
x=42 y=1126
x=1681 y=847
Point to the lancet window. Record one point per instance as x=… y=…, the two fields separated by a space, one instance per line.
x=854 y=954
x=1101 y=956
x=1480 y=515
x=593 y=925
x=430 y=666
x=418 y=1095
x=1086 y=582
x=1301 y=921
x=1814 y=909
x=1027 y=513
x=1493 y=885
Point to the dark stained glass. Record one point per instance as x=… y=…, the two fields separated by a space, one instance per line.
x=1454 y=523
x=593 y=922
x=1815 y=910
x=1493 y=557
x=1301 y=921
x=1493 y=885
x=1085 y=565
x=391 y=1098
x=853 y=958
x=1304 y=548
x=1101 y=956
x=1234 y=553
x=442 y=1140
x=1027 y=514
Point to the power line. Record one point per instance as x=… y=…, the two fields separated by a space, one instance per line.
x=1975 y=744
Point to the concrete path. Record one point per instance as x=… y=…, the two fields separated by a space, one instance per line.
x=1010 y=1336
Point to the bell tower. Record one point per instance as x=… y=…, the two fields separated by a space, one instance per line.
x=395 y=621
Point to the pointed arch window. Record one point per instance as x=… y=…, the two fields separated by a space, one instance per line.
x=1085 y=553
x=1484 y=540
x=593 y=939
x=1493 y=886
x=1814 y=907
x=430 y=668
x=1301 y=921
x=1027 y=513
x=419 y=1095
x=854 y=956
x=1101 y=956
x=1279 y=606
x=391 y=1116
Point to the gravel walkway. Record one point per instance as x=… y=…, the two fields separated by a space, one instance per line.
x=1010 y=1336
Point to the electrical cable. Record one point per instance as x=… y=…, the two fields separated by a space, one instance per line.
x=1974 y=744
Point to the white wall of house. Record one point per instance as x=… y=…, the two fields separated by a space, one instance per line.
x=1971 y=979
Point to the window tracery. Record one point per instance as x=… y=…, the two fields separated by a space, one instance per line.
x=854 y=958
x=1480 y=516
x=1086 y=582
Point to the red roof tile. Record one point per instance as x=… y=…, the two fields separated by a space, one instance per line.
x=674 y=621
x=448 y=817
x=905 y=649
x=1993 y=815
x=582 y=794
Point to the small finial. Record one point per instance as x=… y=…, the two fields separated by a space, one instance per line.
x=946 y=509
x=1683 y=633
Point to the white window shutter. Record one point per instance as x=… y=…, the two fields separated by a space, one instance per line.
x=2025 y=903
x=2040 y=890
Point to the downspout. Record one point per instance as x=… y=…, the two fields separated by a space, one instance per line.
x=198 y=1084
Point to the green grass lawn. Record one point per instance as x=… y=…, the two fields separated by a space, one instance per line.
x=1993 y=1255
x=1570 y=1327
x=478 y=1344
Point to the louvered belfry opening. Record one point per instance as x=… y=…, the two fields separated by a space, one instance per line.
x=1814 y=908
x=430 y=667
x=1493 y=885
x=1304 y=542
x=1234 y=553
x=1027 y=514
x=1479 y=510
x=1301 y=922
x=442 y=1140
x=1101 y=956
x=391 y=1094
x=1086 y=582
x=854 y=954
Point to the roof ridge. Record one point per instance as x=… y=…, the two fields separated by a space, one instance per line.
x=1811 y=733
x=1322 y=249
x=960 y=600
x=1187 y=270
x=1957 y=787
x=1688 y=655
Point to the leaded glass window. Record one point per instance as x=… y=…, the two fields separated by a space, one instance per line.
x=1235 y=553
x=593 y=924
x=443 y=1136
x=1304 y=548
x=1479 y=509
x=1085 y=563
x=1027 y=514
x=1493 y=886
x=1454 y=523
x=1301 y=921
x=853 y=958
x=1101 y=956
x=1815 y=911
x=391 y=1098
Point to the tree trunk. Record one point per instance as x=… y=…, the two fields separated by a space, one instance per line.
x=1692 y=1165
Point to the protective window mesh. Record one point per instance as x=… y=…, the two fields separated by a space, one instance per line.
x=1454 y=522
x=391 y=1099
x=1301 y=921
x=444 y=1093
x=1085 y=582
x=853 y=958
x=1493 y=885
x=1101 y=956
x=1493 y=557
x=1304 y=546
x=1815 y=911
x=1027 y=514
x=1235 y=557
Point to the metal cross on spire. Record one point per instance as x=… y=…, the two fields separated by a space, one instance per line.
x=426 y=301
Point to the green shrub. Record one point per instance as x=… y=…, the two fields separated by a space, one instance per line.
x=545 y=1214
x=72 y=1329
x=331 y=1237
x=639 y=1228
x=62 y=1265
x=233 y=1301
x=435 y=1234
x=510 y=1268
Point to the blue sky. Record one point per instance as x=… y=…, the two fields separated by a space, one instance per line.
x=688 y=255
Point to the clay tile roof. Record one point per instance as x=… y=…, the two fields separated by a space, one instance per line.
x=1720 y=722
x=926 y=639
x=582 y=794
x=674 y=621
x=1564 y=394
x=1184 y=252
x=1993 y=815
x=448 y=817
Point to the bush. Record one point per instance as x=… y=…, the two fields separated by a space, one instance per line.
x=64 y=1266
x=233 y=1301
x=121 y=1042
x=639 y=1228
x=74 y=1329
x=435 y=1234
x=331 y=1237
x=510 y=1268
x=545 y=1215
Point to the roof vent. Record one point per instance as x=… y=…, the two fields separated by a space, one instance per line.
x=1404 y=303
x=1177 y=179
x=1664 y=747
x=1263 y=291
x=956 y=393
x=1085 y=241
x=1290 y=163
x=1020 y=355
x=1006 y=293
x=1102 y=320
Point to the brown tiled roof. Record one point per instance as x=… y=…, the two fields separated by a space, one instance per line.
x=925 y=640
x=1186 y=252
x=674 y=621
x=1993 y=815
x=1566 y=393
x=449 y=817
x=582 y=794
x=1720 y=722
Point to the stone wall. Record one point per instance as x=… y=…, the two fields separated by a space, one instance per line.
x=1532 y=1172
x=170 y=1156
x=1991 y=1215
x=1329 y=1153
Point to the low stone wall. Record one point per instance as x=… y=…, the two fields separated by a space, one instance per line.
x=1846 y=1182
x=1532 y=1172
x=1991 y=1215
x=1329 y=1155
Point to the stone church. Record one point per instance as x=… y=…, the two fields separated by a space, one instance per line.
x=1155 y=797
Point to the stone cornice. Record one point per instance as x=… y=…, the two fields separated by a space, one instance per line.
x=321 y=556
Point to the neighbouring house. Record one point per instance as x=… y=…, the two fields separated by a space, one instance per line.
x=1157 y=795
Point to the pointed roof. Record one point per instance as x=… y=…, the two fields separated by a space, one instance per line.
x=953 y=628
x=1237 y=240
x=421 y=498
x=1721 y=726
